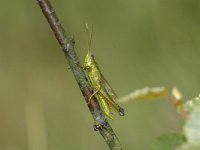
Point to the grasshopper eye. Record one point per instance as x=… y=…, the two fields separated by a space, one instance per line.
x=88 y=68
x=92 y=57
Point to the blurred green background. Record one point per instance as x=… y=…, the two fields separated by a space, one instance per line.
x=136 y=43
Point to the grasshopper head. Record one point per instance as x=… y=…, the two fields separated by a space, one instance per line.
x=88 y=61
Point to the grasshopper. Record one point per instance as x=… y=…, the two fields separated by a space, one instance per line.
x=102 y=90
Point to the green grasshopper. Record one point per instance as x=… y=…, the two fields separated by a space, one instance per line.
x=102 y=90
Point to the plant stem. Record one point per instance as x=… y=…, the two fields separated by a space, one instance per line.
x=67 y=45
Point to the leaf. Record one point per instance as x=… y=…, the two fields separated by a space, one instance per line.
x=146 y=93
x=192 y=127
x=189 y=147
x=191 y=138
x=191 y=104
x=168 y=142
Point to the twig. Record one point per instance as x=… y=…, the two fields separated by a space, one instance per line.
x=67 y=45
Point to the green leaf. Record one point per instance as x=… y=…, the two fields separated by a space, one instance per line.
x=191 y=104
x=189 y=147
x=192 y=127
x=191 y=138
x=192 y=130
x=168 y=142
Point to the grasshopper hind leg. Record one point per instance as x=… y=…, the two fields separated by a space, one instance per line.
x=112 y=103
x=93 y=94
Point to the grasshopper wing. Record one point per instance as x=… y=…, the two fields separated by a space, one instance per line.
x=110 y=95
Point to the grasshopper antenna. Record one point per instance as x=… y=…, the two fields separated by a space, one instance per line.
x=89 y=37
